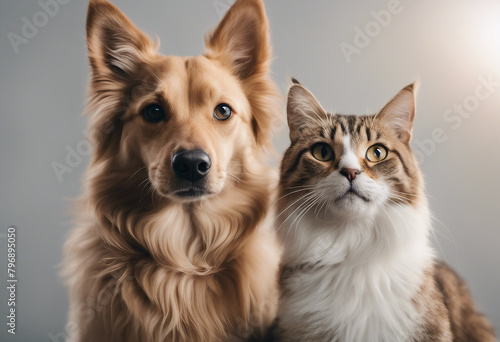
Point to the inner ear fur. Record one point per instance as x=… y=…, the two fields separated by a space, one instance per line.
x=241 y=40
x=114 y=43
x=303 y=109
x=399 y=113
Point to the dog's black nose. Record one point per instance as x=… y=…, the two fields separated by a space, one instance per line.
x=191 y=165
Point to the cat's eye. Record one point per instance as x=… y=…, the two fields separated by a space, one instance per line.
x=154 y=113
x=322 y=152
x=222 y=112
x=376 y=153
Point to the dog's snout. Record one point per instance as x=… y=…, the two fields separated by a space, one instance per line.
x=191 y=165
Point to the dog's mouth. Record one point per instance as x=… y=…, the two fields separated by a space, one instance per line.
x=191 y=193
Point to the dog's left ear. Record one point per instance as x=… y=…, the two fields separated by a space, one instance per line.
x=241 y=40
x=241 y=43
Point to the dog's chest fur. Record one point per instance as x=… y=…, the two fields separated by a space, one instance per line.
x=364 y=276
x=216 y=304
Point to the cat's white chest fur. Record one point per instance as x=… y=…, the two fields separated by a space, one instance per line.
x=354 y=280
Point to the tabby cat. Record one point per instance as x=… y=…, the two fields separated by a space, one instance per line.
x=353 y=218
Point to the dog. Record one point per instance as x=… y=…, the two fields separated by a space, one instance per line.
x=173 y=238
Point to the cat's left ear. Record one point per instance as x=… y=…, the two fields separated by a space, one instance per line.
x=399 y=113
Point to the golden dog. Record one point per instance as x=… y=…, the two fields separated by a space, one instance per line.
x=174 y=238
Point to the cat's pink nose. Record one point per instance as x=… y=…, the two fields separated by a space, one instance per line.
x=350 y=174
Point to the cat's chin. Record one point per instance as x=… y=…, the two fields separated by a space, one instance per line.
x=351 y=203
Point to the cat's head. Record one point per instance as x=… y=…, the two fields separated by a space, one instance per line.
x=349 y=165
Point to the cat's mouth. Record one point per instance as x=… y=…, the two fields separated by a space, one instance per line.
x=350 y=194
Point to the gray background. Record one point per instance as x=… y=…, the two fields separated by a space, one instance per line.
x=447 y=45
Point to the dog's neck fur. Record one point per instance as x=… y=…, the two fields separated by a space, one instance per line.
x=158 y=227
x=371 y=267
x=195 y=245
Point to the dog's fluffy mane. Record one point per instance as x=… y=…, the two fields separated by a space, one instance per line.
x=143 y=267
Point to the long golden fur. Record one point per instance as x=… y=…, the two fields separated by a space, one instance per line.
x=144 y=264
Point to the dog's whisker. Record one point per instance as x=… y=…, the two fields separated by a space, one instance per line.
x=140 y=169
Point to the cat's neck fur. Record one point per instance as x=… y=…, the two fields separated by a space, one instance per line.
x=371 y=266
x=367 y=237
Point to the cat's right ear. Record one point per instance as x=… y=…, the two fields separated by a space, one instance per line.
x=303 y=110
x=116 y=47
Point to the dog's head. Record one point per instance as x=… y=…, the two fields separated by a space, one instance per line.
x=188 y=123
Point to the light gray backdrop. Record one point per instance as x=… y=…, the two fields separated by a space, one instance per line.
x=352 y=55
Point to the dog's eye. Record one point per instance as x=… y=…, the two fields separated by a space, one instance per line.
x=153 y=113
x=376 y=153
x=222 y=112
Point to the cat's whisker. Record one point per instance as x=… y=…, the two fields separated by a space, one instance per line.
x=293 y=192
x=406 y=194
x=328 y=205
x=433 y=217
x=304 y=197
x=299 y=186
x=404 y=199
x=433 y=232
x=310 y=197
x=305 y=210
x=299 y=208
x=318 y=210
x=388 y=216
x=415 y=195
x=301 y=205
x=451 y=238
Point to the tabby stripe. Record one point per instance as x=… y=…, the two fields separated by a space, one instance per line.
x=351 y=120
x=407 y=171
x=368 y=134
x=297 y=160
x=342 y=127
x=332 y=135
x=358 y=129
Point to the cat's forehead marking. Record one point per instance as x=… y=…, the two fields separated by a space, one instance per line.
x=348 y=159
x=360 y=129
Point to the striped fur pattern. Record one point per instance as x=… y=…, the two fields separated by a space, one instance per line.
x=354 y=222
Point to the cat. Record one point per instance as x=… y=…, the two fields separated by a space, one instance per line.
x=354 y=223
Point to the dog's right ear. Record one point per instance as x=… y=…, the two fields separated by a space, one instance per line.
x=115 y=45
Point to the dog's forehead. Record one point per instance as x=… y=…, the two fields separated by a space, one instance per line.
x=197 y=82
